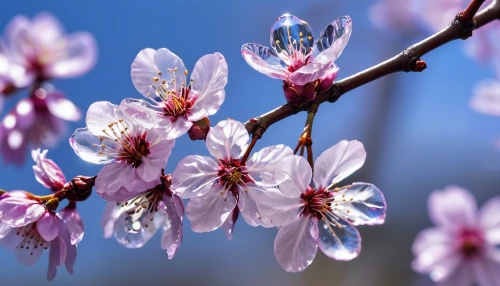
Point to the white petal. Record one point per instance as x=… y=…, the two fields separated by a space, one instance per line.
x=63 y=108
x=87 y=146
x=227 y=140
x=171 y=66
x=262 y=165
x=143 y=70
x=99 y=115
x=338 y=239
x=489 y=219
x=295 y=174
x=338 y=162
x=332 y=40
x=172 y=228
x=453 y=207
x=194 y=176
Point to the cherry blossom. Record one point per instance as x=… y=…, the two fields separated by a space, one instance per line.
x=37 y=120
x=304 y=64
x=133 y=154
x=134 y=221
x=28 y=226
x=221 y=189
x=176 y=102
x=39 y=49
x=46 y=171
x=463 y=247
x=323 y=215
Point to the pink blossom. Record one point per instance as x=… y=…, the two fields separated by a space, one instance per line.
x=176 y=102
x=486 y=97
x=28 y=226
x=73 y=221
x=323 y=216
x=46 y=171
x=133 y=154
x=304 y=64
x=134 y=221
x=391 y=15
x=462 y=249
x=12 y=75
x=37 y=120
x=221 y=189
x=39 y=49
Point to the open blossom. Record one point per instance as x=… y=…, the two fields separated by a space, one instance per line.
x=322 y=215
x=176 y=102
x=134 y=221
x=221 y=189
x=486 y=97
x=40 y=49
x=305 y=64
x=28 y=226
x=464 y=246
x=37 y=120
x=134 y=155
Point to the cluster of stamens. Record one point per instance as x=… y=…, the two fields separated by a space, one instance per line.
x=471 y=242
x=128 y=147
x=231 y=175
x=175 y=96
x=298 y=54
x=31 y=238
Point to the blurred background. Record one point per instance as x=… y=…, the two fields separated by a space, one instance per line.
x=418 y=129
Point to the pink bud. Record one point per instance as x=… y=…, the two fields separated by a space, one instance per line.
x=200 y=129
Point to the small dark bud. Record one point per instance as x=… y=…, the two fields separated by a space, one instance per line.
x=200 y=129
x=299 y=94
x=79 y=188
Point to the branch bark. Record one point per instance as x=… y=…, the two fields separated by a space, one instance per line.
x=407 y=61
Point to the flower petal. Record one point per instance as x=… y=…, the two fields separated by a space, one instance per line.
x=339 y=239
x=430 y=237
x=227 y=140
x=46 y=171
x=171 y=66
x=4 y=229
x=172 y=229
x=141 y=112
x=194 y=176
x=338 y=162
x=486 y=97
x=295 y=175
x=63 y=108
x=290 y=34
x=73 y=221
x=54 y=256
x=111 y=214
x=28 y=256
x=143 y=71
x=489 y=219
x=210 y=211
x=152 y=164
x=18 y=211
x=88 y=147
x=296 y=244
x=47 y=226
x=486 y=271
x=309 y=73
x=360 y=204
x=228 y=225
x=210 y=78
x=176 y=128
x=452 y=205
x=262 y=165
x=332 y=40
x=264 y=60
x=46 y=28
x=99 y=115
x=80 y=56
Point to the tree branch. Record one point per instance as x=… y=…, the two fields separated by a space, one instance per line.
x=408 y=60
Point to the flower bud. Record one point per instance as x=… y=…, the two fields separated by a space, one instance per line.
x=200 y=129
x=79 y=188
x=299 y=94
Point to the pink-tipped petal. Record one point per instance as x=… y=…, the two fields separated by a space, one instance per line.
x=46 y=171
x=338 y=162
x=296 y=244
x=264 y=60
x=194 y=176
x=452 y=205
x=360 y=204
x=295 y=174
x=332 y=40
x=143 y=70
x=309 y=73
x=172 y=229
x=210 y=211
x=80 y=57
x=18 y=211
x=261 y=166
x=74 y=222
x=47 y=226
x=151 y=166
x=338 y=239
x=210 y=78
x=486 y=97
x=227 y=140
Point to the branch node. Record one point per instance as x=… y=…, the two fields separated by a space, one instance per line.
x=410 y=59
x=336 y=92
x=466 y=26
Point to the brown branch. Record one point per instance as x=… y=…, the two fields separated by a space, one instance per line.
x=407 y=61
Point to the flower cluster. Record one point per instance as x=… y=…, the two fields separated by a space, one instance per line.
x=33 y=52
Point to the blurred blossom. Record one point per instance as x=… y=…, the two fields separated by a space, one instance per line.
x=221 y=189
x=133 y=154
x=134 y=221
x=322 y=216
x=177 y=103
x=304 y=64
x=39 y=49
x=46 y=171
x=395 y=17
x=464 y=247
x=486 y=97
x=37 y=120
x=32 y=228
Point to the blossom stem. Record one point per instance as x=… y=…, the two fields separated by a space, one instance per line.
x=466 y=17
x=406 y=61
x=249 y=149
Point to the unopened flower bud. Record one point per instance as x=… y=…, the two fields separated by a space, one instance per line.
x=79 y=188
x=200 y=129
x=298 y=94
